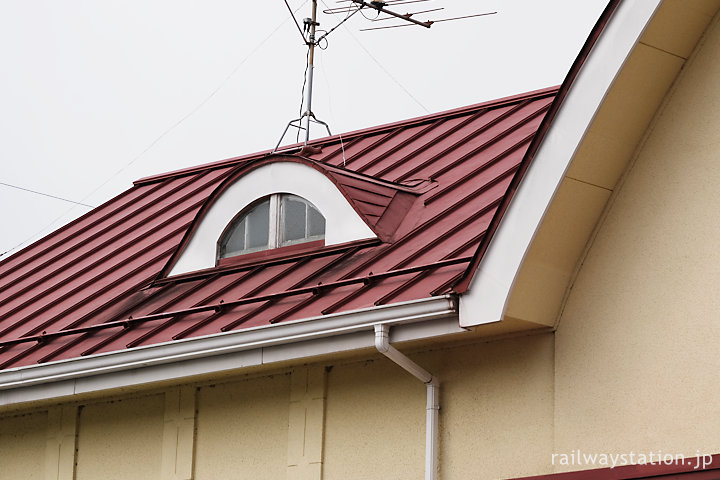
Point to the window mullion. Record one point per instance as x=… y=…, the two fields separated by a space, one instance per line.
x=274 y=236
x=307 y=220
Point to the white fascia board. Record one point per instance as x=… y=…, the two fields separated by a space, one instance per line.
x=227 y=351
x=488 y=294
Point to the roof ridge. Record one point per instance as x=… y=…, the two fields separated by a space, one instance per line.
x=234 y=161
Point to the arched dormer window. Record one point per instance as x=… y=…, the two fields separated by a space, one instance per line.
x=256 y=184
x=278 y=220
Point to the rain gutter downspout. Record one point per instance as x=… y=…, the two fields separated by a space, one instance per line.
x=382 y=343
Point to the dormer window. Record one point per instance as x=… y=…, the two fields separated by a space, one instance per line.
x=293 y=204
x=275 y=221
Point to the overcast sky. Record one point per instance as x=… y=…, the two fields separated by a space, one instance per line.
x=96 y=94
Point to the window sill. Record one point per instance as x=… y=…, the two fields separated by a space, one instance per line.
x=271 y=253
x=269 y=257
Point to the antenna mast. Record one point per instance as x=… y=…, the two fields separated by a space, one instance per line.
x=311 y=60
x=350 y=8
x=307 y=116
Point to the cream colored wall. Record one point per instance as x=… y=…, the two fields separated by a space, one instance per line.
x=637 y=344
x=495 y=415
x=375 y=422
x=354 y=419
x=22 y=446
x=496 y=410
x=242 y=429
x=120 y=439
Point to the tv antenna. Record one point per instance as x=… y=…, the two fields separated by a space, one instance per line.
x=351 y=7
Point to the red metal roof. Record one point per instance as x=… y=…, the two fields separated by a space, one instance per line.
x=98 y=284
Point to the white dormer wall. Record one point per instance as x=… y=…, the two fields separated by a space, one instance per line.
x=342 y=223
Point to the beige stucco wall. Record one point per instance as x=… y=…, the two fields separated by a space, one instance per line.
x=384 y=408
x=242 y=429
x=351 y=419
x=637 y=343
x=497 y=410
x=120 y=439
x=22 y=446
x=495 y=419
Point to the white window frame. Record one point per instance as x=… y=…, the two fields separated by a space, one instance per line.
x=274 y=221
x=280 y=218
x=275 y=227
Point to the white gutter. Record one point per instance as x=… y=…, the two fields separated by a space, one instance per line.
x=488 y=294
x=382 y=343
x=181 y=359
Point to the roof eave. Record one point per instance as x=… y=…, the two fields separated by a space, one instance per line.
x=230 y=351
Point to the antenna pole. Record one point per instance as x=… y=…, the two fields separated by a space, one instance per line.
x=308 y=116
x=311 y=60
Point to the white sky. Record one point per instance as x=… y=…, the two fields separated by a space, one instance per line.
x=96 y=94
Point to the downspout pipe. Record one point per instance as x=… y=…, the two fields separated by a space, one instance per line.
x=382 y=343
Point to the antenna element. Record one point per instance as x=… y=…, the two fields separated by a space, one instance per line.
x=350 y=8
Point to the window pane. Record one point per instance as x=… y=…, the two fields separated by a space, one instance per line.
x=235 y=242
x=316 y=222
x=293 y=218
x=249 y=233
x=258 y=228
x=298 y=222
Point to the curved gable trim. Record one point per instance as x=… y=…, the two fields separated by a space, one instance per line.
x=487 y=288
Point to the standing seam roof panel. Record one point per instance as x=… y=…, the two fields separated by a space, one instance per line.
x=106 y=266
